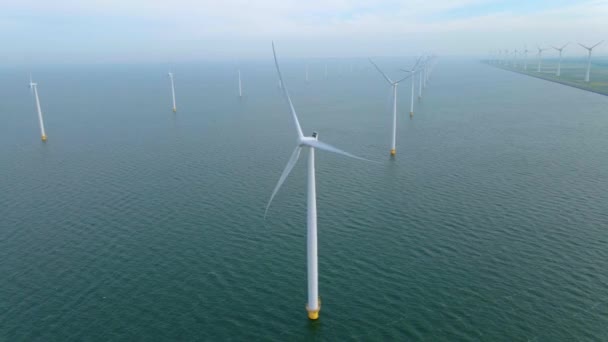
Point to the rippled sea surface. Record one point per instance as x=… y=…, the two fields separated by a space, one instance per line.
x=134 y=223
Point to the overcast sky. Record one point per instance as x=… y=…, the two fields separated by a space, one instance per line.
x=131 y=31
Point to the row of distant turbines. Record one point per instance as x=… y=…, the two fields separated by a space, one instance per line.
x=422 y=68
x=507 y=57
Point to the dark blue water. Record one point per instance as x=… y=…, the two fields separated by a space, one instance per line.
x=132 y=223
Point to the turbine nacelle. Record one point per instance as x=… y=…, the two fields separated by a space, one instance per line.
x=305 y=141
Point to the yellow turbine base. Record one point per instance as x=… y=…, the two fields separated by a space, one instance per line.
x=314 y=314
x=411 y=114
x=174 y=110
x=393 y=152
x=43 y=138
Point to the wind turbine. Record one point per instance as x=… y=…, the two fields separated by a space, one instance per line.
x=526 y=57
x=559 y=63
x=540 y=57
x=172 y=91
x=412 y=71
x=34 y=87
x=589 y=49
x=240 y=84
x=394 y=85
x=313 y=305
x=420 y=75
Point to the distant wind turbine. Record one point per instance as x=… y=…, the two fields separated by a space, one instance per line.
x=559 y=63
x=313 y=305
x=240 y=84
x=34 y=87
x=540 y=57
x=526 y=57
x=412 y=71
x=420 y=75
x=394 y=85
x=589 y=49
x=172 y=91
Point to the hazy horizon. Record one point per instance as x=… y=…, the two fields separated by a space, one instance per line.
x=99 y=32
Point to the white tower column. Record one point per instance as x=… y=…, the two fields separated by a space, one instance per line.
x=394 y=137
x=42 y=131
x=420 y=85
x=313 y=306
x=588 y=67
x=240 y=85
x=412 y=99
x=173 y=92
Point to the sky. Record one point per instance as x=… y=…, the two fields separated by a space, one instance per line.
x=142 y=31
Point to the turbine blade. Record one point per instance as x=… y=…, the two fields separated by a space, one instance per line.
x=286 y=94
x=586 y=47
x=597 y=44
x=290 y=164
x=327 y=147
x=380 y=71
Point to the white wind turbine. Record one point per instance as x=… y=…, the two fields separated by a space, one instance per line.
x=420 y=76
x=34 y=87
x=394 y=85
x=314 y=304
x=589 y=49
x=240 y=84
x=558 y=73
x=172 y=91
x=540 y=57
x=526 y=57
x=412 y=71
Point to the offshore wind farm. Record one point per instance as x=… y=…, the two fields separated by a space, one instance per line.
x=178 y=201
x=273 y=205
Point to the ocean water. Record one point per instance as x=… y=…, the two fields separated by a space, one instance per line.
x=134 y=223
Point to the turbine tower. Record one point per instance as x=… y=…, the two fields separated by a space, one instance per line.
x=589 y=49
x=172 y=91
x=412 y=71
x=313 y=305
x=34 y=87
x=394 y=85
x=559 y=63
x=240 y=84
x=526 y=57
x=420 y=75
x=540 y=57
